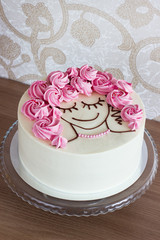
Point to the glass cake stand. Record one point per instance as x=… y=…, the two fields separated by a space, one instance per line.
x=75 y=208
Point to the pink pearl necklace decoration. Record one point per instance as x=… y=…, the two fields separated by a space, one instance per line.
x=95 y=135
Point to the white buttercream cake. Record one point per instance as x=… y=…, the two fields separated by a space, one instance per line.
x=80 y=134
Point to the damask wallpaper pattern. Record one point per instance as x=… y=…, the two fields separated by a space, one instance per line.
x=122 y=37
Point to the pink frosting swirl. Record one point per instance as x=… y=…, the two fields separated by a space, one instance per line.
x=82 y=86
x=87 y=73
x=53 y=95
x=118 y=98
x=37 y=89
x=123 y=85
x=69 y=93
x=35 y=108
x=58 y=79
x=43 y=112
x=46 y=128
x=56 y=113
x=134 y=125
x=102 y=83
x=59 y=141
x=72 y=72
x=132 y=114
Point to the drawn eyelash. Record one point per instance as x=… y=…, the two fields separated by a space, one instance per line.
x=69 y=109
x=93 y=104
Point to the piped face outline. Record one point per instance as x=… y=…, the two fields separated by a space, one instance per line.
x=86 y=112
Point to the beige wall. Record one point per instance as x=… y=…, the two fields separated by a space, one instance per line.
x=123 y=37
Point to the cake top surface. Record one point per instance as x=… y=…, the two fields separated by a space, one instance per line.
x=80 y=106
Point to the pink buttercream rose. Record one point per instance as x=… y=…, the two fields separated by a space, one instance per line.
x=72 y=72
x=47 y=127
x=43 y=112
x=58 y=79
x=37 y=89
x=123 y=85
x=35 y=108
x=59 y=141
x=87 y=73
x=132 y=114
x=118 y=98
x=56 y=113
x=102 y=83
x=134 y=125
x=69 y=93
x=82 y=86
x=53 y=96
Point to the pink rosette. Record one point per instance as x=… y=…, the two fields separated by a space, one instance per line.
x=69 y=93
x=102 y=83
x=108 y=75
x=43 y=112
x=35 y=108
x=37 y=89
x=46 y=127
x=82 y=86
x=118 y=98
x=59 y=141
x=132 y=114
x=53 y=96
x=56 y=113
x=123 y=85
x=58 y=79
x=87 y=73
x=134 y=125
x=72 y=72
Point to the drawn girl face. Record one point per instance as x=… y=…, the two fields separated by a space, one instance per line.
x=85 y=112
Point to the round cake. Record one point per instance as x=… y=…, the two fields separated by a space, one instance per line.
x=80 y=134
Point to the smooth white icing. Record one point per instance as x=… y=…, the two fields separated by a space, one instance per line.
x=87 y=168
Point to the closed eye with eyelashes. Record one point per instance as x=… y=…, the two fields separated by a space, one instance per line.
x=89 y=105
x=69 y=109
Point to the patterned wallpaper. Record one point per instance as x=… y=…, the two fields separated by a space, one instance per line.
x=122 y=37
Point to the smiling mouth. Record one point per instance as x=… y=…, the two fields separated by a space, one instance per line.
x=86 y=120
